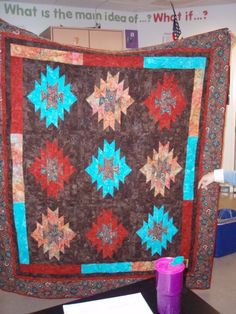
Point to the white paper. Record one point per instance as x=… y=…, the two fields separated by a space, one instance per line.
x=132 y=303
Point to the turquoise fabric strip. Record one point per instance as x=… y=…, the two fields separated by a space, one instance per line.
x=121 y=267
x=188 y=188
x=174 y=62
x=21 y=232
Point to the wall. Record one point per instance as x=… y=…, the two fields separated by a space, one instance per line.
x=156 y=24
x=153 y=28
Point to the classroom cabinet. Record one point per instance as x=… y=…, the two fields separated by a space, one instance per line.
x=86 y=37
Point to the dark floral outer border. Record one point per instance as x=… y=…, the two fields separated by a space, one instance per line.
x=200 y=277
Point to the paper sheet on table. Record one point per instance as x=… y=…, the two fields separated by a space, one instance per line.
x=132 y=303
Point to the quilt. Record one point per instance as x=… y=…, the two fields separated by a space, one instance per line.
x=101 y=153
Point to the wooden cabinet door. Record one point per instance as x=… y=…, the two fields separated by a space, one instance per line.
x=86 y=37
x=106 y=39
x=71 y=36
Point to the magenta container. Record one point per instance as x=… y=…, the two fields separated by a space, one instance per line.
x=169 y=304
x=169 y=278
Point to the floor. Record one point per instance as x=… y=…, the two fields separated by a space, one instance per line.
x=221 y=295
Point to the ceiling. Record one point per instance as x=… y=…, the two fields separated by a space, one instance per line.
x=126 y=5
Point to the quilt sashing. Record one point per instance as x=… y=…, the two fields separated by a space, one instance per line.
x=101 y=157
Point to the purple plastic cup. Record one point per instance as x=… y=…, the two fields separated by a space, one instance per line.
x=169 y=304
x=169 y=285
x=169 y=279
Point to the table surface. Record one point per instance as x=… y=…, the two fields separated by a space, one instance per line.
x=190 y=302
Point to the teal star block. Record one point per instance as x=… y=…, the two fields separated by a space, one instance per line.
x=52 y=97
x=108 y=169
x=154 y=240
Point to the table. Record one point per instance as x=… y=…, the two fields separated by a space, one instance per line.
x=190 y=303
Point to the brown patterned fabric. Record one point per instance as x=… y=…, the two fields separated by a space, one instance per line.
x=100 y=158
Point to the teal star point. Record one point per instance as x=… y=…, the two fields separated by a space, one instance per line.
x=43 y=93
x=118 y=169
x=159 y=218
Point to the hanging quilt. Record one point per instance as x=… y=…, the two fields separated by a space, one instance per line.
x=101 y=154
